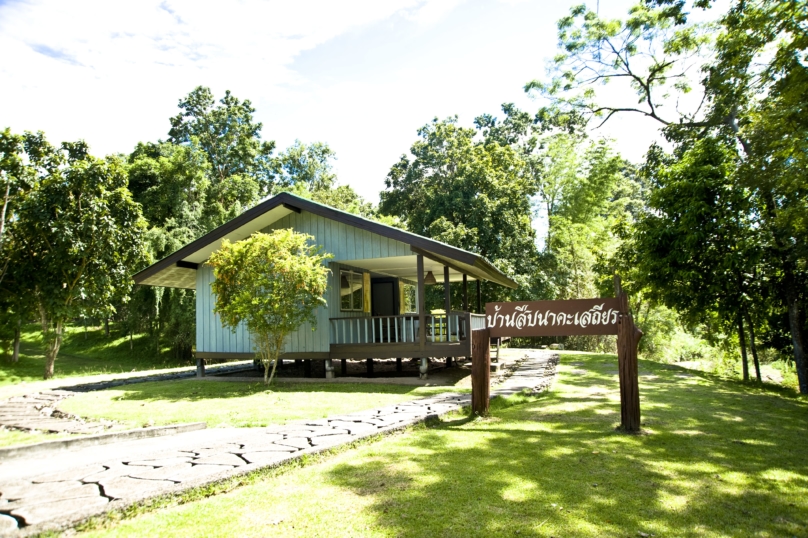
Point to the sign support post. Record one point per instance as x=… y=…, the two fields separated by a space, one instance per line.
x=628 y=340
x=480 y=371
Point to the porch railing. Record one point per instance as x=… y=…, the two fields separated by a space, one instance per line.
x=402 y=329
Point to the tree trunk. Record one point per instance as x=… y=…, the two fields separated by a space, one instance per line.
x=790 y=286
x=742 y=339
x=53 y=342
x=15 y=357
x=753 y=345
x=106 y=326
x=797 y=339
x=131 y=345
x=277 y=352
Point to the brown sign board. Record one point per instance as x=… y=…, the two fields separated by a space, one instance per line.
x=553 y=318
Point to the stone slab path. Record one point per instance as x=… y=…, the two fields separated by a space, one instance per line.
x=535 y=373
x=38 y=412
x=54 y=492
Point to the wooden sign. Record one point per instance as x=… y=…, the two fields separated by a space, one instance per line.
x=566 y=318
x=553 y=318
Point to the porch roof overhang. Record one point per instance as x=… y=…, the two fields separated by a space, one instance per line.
x=406 y=267
x=178 y=270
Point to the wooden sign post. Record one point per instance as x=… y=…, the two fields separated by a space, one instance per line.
x=566 y=318
x=628 y=341
x=480 y=371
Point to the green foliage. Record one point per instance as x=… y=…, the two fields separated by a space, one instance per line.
x=165 y=177
x=273 y=283
x=691 y=243
x=752 y=84
x=757 y=83
x=85 y=351
x=647 y=54
x=80 y=233
x=229 y=136
x=343 y=197
x=178 y=318
x=471 y=194
x=307 y=164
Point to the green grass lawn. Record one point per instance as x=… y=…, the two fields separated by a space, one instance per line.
x=83 y=353
x=716 y=458
x=239 y=404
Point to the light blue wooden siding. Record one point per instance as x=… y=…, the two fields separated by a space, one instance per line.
x=210 y=334
x=343 y=241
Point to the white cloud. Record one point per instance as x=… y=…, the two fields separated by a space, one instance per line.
x=111 y=72
x=362 y=75
x=431 y=12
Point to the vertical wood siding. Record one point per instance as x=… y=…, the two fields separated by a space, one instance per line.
x=343 y=241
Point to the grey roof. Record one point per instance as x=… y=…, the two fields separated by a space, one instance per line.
x=178 y=269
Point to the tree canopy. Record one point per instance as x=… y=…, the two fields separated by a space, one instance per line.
x=78 y=234
x=467 y=193
x=738 y=80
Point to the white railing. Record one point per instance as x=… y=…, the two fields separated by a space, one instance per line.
x=401 y=329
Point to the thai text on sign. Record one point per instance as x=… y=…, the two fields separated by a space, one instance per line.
x=553 y=318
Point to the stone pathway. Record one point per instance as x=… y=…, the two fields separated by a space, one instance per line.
x=52 y=493
x=38 y=412
x=535 y=373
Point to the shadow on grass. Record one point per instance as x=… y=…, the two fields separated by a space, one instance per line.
x=716 y=458
x=194 y=390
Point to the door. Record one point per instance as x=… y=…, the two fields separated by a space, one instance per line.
x=383 y=302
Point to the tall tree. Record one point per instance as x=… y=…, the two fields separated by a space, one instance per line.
x=308 y=164
x=82 y=235
x=24 y=161
x=752 y=63
x=241 y=164
x=696 y=245
x=227 y=133
x=471 y=194
x=759 y=78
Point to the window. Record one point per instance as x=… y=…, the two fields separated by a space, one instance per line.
x=408 y=294
x=351 y=291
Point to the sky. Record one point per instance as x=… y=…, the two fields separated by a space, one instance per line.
x=360 y=75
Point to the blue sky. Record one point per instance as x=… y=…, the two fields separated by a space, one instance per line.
x=360 y=75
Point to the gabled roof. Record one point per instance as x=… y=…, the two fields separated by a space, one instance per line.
x=179 y=269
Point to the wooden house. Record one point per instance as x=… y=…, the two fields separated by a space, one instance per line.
x=375 y=296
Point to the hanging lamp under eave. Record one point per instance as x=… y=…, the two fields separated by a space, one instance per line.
x=430 y=278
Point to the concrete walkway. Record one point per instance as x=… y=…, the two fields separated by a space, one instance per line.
x=53 y=492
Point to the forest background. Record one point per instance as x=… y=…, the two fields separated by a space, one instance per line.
x=708 y=232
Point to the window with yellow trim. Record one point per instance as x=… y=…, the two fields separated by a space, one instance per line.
x=351 y=291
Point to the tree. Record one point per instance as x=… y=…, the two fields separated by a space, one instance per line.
x=241 y=164
x=754 y=82
x=80 y=233
x=759 y=78
x=226 y=133
x=473 y=195
x=696 y=245
x=649 y=55
x=272 y=283
x=309 y=164
x=24 y=160
x=171 y=183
